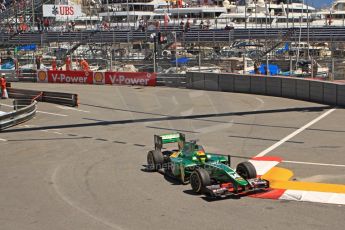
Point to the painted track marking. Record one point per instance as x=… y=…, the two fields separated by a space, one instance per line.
x=74 y=205
x=74 y=109
x=6 y=105
x=38 y=111
x=290 y=136
x=55 y=114
x=2 y=139
x=313 y=163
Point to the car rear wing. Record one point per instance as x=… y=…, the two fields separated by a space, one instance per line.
x=160 y=140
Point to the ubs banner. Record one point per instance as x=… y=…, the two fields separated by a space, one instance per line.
x=62 y=12
x=82 y=77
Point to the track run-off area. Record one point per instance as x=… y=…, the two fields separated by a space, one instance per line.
x=84 y=167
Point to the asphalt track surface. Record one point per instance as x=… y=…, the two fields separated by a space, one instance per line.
x=83 y=168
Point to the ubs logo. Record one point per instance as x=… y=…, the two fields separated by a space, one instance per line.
x=55 y=10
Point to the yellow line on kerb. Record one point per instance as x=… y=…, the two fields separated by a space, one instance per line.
x=279 y=179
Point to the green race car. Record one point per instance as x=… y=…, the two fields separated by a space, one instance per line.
x=208 y=173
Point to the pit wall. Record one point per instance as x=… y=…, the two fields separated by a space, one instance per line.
x=323 y=92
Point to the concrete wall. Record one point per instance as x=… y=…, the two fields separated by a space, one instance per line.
x=341 y=95
x=303 y=89
x=226 y=83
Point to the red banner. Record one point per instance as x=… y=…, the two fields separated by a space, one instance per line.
x=130 y=78
x=82 y=77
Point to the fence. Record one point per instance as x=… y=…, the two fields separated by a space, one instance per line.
x=319 y=34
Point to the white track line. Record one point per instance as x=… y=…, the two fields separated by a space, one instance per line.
x=55 y=114
x=74 y=109
x=2 y=139
x=76 y=206
x=6 y=105
x=282 y=141
x=313 y=163
x=38 y=111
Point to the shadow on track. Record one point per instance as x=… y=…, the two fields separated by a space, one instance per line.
x=48 y=139
x=173 y=118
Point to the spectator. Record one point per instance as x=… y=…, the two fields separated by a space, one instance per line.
x=187 y=27
x=73 y=25
x=38 y=62
x=84 y=65
x=201 y=26
x=182 y=25
x=46 y=24
x=141 y=24
x=54 y=63
x=256 y=68
x=68 y=63
x=39 y=24
x=2 y=7
x=144 y=27
x=105 y=25
x=4 y=94
x=157 y=24
x=208 y=24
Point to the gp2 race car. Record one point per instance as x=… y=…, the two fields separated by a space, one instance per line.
x=208 y=173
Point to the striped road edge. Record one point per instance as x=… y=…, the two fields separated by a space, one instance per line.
x=281 y=188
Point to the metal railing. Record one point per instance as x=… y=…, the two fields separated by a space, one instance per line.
x=18 y=116
x=320 y=34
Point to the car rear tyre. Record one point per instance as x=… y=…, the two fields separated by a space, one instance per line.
x=246 y=170
x=199 y=179
x=155 y=160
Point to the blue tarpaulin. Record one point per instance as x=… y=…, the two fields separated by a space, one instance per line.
x=284 y=49
x=273 y=69
x=31 y=47
x=8 y=65
x=181 y=60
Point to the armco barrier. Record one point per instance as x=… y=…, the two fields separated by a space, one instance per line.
x=25 y=104
x=330 y=93
x=19 y=116
x=67 y=99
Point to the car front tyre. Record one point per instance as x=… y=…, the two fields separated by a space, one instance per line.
x=199 y=179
